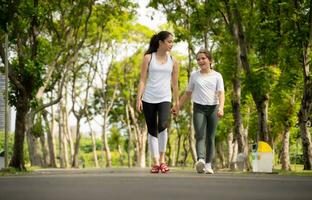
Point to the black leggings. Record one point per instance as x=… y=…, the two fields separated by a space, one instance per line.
x=154 y=111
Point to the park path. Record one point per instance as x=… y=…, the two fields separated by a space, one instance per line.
x=139 y=184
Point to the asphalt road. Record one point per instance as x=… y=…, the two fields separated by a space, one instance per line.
x=139 y=184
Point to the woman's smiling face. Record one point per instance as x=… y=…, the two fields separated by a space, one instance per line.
x=167 y=44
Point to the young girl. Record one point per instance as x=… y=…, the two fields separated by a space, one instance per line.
x=207 y=91
x=158 y=71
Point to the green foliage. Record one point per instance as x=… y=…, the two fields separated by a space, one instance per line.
x=266 y=32
x=224 y=59
x=10 y=143
x=116 y=139
x=263 y=81
x=86 y=145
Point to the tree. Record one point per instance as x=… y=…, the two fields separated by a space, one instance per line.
x=303 y=39
x=26 y=68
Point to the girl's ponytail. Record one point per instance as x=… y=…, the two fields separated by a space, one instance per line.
x=154 y=44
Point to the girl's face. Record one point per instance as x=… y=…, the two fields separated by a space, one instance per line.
x=202 y=61
x=167 y=44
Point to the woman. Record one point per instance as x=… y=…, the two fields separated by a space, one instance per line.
x=206 y=88
x=159 y=71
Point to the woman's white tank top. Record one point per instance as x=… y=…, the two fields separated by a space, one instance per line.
x=158 y=84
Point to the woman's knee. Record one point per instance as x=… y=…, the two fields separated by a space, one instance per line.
x=162 y=126
x=152 y=132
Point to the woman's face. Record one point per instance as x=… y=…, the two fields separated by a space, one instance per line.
x=202 y=61
x=167 y=44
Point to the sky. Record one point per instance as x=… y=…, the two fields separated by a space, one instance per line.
x=145 y=16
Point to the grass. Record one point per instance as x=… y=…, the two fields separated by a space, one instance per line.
x=296 y=170
x=12 y=171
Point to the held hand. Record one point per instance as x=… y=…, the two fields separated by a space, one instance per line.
x=175 y=110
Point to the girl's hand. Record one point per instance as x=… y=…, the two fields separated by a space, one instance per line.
x=220 y=112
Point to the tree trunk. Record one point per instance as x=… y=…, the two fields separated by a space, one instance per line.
x=233 y=158
x=65 y=147
x=61 y=147
x=120 y=154
x=75 y=162
x=137 y=147
x=106 y=148
x=17 y=160
x=45 y=151
x=230 y=144
x=143 y=139
x=220 y=152
x=50 y=136
x=140 y=139
x=66 y=128
x=107 y=107
x=140 y=149
x=262 y=108
x=65 y=133
x=129 y=136
x=236 y=105
x=192 y=141
x=305 y=112
x=63 y=141
x=173 y=154
x=285 y=150
x=306 y=142
x=186 y=150
x=32 y=141
x=95 y=158
x=69 y=140
x=245 y=136
x=178 y=149
x=34 y=155
x=170 y=150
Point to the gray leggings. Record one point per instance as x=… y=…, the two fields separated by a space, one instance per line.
x=205 y=123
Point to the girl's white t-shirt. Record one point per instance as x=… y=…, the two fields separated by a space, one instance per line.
x=158 y=83
x=205 y=87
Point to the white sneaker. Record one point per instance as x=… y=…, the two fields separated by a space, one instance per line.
x=208 y=169
x=200 y=166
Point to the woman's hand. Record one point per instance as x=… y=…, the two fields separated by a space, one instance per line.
x=139 y=105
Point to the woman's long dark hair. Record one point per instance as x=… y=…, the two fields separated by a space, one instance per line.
x=154 y=43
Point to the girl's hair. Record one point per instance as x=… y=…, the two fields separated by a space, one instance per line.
x=154 y=43
x=206 y=52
